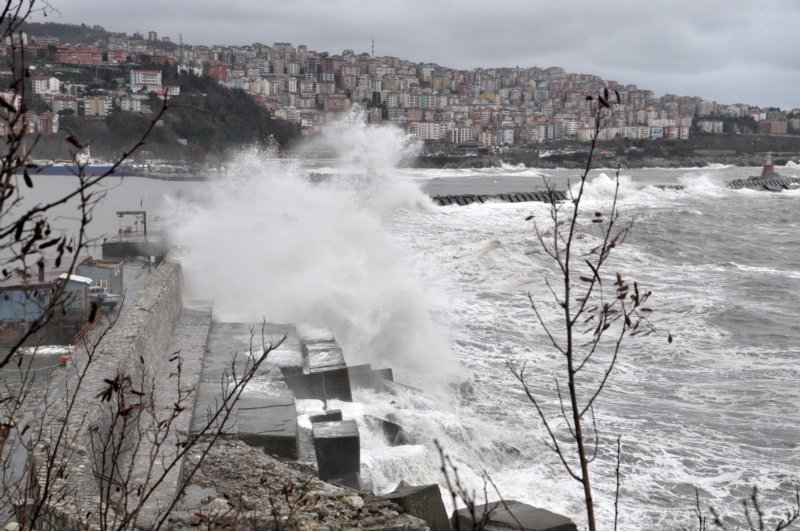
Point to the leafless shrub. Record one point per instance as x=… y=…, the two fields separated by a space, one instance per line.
x=753 y=513
x=599 y=312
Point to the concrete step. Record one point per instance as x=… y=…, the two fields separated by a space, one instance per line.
x=265 y=415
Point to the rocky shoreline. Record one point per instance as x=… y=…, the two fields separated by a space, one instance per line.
x=238 y=485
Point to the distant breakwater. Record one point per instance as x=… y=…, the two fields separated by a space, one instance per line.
x=578 y=161
x=546 y=196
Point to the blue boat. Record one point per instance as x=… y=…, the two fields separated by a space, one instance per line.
x=83 y=163
x=90 y=170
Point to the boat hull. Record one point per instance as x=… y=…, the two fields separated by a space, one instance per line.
x=91 y=170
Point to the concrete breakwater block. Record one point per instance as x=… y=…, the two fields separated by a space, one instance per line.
x=321 y=356
x=531 y=518
x=329 y=416
x=394 y=434
x=322 y=385
x=324 y=375
x=337 y=446
x=269 y=422
x=229 y=341
x=424 y=502
x=399 y=389
x=364 y=377
x=335 y=382
x=265 y=420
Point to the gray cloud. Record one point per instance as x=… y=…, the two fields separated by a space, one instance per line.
x=726 y=50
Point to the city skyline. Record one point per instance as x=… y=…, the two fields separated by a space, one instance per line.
x=730 y=52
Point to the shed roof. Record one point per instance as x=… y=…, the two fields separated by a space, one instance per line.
x=75 y=278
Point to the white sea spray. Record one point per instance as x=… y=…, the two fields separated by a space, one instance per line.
x=270 y=244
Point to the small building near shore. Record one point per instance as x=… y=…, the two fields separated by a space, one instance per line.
x=104 y=273
x=75 y=303
x=26 y=296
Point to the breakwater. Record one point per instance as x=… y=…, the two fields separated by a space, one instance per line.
x=144 y=344
x=776 y=184
x=546 y=196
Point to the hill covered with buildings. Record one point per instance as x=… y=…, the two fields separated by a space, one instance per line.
x=105 y=84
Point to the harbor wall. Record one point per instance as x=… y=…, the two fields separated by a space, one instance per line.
x=138 y=345
x=139 y=340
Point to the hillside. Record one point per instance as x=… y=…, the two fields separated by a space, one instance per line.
x=79 y=34
x=205 y=122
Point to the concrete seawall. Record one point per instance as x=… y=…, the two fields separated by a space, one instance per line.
x=138 y=346
x=144 y=333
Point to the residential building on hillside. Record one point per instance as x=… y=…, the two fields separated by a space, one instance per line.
x=489 y=107
x=776 y=127
x=96 y=106
x=46 y=85
x=145 y=80
x=48 y=123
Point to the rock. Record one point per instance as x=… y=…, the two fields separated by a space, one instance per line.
x=356 y=502
x=194 y=495
x=218 y=506
x=466 y=390
x=531 y=518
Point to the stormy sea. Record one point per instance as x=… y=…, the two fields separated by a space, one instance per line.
x=441 y=295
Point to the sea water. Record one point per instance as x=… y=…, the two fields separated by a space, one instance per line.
x=441 y=295
x=715 y=411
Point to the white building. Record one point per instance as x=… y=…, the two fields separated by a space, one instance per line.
x=46 y=85
x=710 y=126
x=149 y=80
x=460 y=135
x=428 y=130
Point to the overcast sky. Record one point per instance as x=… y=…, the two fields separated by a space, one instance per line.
x=731 y=51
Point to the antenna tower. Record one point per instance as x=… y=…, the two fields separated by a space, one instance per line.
x=373 y=48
